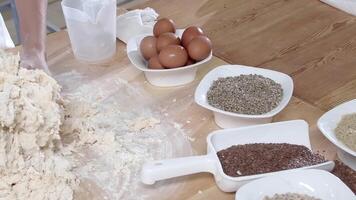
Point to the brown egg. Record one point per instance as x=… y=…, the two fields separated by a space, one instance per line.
x=190 y=33
x=153 y=63
x=164 y=25
x=148 y=47
x=190 y=61
x=166 y=39
x=199 y=48
x=173 y=56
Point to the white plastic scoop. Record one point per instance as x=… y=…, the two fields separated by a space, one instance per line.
x=292 y=132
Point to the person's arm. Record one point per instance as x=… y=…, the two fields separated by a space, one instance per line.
x=32 y=16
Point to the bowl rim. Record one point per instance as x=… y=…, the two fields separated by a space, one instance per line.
x=287 y=175
x=132 y=45
x=259 y=71
x=328 y=134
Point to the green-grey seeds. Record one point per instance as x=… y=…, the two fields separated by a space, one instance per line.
x=245 y=94
x=346 y=130
x=291 y=196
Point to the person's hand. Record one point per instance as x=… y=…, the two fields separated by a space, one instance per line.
x=32 y=16
x=32 y=59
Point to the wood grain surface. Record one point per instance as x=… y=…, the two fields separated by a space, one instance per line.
x=309 y=40
x=312 y=42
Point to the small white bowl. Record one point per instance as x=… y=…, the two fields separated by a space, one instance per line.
x=226 y=119
x=317 y=183
x=162 y=77
x=327 y=124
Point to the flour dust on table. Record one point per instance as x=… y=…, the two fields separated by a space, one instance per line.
x=111 y=131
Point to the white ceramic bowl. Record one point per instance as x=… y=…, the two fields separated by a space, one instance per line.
x=327 y=124
x=226 y=119
x=163 y=77
x=317 y=183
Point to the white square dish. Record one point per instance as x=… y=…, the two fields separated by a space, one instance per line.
x=327 y=124
x=316 y=183
x=162 y=77
x=226 y=119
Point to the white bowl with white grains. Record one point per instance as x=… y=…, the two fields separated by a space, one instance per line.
x=228 y=119
x=311 y=184
x=327 y=125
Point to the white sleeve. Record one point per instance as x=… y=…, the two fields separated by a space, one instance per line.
x=5 y=39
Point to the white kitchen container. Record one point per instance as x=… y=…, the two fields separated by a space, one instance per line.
x=91 y=26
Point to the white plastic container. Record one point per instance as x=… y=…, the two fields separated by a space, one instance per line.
x=327 y=124
x=91 y=26
x=316 y=183
x=162 y=77
x=226 y=119
x=292 y=132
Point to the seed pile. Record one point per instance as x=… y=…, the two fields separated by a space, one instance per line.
x=245 y=94
x=258 y=158
x=291 y=196
x=346 y=174
x=346 y=130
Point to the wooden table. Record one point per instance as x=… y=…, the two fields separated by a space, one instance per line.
x=312 y=42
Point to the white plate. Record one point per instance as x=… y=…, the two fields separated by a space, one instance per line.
x=292 y=132
x=232 y=120
x=162 y=77
x=327 y=124
x=312 y=182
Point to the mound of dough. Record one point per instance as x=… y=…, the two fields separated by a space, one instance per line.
x=31 y=163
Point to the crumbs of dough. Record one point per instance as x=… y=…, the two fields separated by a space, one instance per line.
x=143 y=123
x=31 y=163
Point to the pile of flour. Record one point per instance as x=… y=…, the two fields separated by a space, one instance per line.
x=89 y=143
x=32 y=165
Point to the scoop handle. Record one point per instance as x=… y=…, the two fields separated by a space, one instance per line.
x=165 y=169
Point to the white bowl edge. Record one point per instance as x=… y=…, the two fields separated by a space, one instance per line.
x=326 y=127
x=253 y=70
x=297 y=182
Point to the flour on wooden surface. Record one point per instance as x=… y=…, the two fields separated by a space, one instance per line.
x=111 y=132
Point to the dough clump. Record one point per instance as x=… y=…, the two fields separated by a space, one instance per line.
x=32 y=165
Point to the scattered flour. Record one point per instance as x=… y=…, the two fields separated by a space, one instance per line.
x=184 y=134
x=141 y=123
x=112 y=136
x=111 y=143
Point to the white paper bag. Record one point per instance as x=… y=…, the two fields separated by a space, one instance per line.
x=134 y=23
x=348 y=6
x=5 y=39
